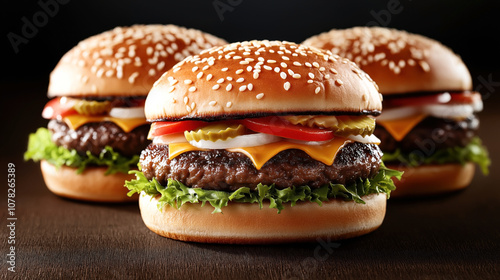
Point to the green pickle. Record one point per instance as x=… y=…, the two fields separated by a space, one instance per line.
x=215 y=132
x=92 y=108
x=341 y=125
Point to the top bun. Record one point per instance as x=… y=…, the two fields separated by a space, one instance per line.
x=259 y=78
x=398 y=61
x=125 y=61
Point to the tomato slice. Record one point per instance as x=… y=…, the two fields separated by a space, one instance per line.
x=55 y=108
x=162 y=128
x=466 y=97
x=280 y=127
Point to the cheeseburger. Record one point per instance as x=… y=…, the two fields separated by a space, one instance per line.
x=262 y=142
x=429 y=127
x=97 y=126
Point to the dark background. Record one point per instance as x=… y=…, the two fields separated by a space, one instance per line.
x=450 y=237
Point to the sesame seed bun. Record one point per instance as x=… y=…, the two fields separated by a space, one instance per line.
x=398 y=61
x=90 y=185
x=262 y=77
x=246 y=223
x=125 y=61
x=432 y=179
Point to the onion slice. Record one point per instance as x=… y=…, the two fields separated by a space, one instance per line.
x=368 y=139
x=248 y=140
x=449 y=111
x=127 y=113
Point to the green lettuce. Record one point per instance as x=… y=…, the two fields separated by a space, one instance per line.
x=473 y=152
x=176 y=194
x=41 y=147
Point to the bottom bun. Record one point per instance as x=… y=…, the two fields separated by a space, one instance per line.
x=246 y=223
x=432 y=179
x=90 y=185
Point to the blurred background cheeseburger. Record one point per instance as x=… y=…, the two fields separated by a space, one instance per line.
x=97 y=126
x=428 y=128
x=275 y=135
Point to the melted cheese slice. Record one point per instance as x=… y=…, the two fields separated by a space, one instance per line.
x=400 y=127
x=75 y=121
x=259 y=155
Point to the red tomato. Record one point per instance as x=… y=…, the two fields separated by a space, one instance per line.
x=162 y=128
x=466 y=97
x=280 y=127
x=54 y=108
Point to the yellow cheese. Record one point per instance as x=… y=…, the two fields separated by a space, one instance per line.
x=400 y=127
x=259 y=155
x=75 y=121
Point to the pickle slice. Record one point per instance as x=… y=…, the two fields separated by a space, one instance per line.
x=91 y=107
x=215 y=132
x=341 y=125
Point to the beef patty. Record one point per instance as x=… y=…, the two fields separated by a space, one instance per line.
x=442 y=133
x=94 y=137
x=228 y=171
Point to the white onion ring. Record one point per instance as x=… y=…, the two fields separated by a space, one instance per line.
x=127 y=113
x=449 y=111
x=368 y=139
x=311 y=143
x=247 y=140
x=398 y=113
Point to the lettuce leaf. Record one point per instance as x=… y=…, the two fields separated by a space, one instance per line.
x=40 y=146
x=177 y=194
x=473 y=152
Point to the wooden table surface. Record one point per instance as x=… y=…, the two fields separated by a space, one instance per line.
x=455 y=236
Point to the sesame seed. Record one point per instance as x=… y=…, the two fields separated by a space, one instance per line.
x=186 y=100
x=255 y=75
x=192 y=89
x=316 y=91
x=290 y=72
x=149 y=50
x=110 y=73
x=229 y=78
x=425 y=66
x=188 y=108
x=229 y=87
x=285 y=58
x=271 y=61
x=188 y=82
x=200 y=75
x=176 y=69
x=240 y=80
x=229 y=104
x=284 y=65
x=277 y=69
x=249 y=68
x=152 y=72
x=210 y=62
x=209 y=77
x=160 y=65
x=237 y=57
x=244 y=62
x=286 y=86
x=315 y=64
x=195 y=69
x=239 y=71
x=259 y=96
x=212 y=103
x=296 y=76
x=283 y=75
x=322 y=69
x=224 y=69
x=220 y=81
x=171 y=89
x=311 y=75
x=327 y=76
x=216 y=87
x=268 y=67
x=296 y=63
x=339 y=82
x=193 y=105
x=310 y=81
x=243 y=88
x=99 y=73
x=250 y=87
x=308 y=64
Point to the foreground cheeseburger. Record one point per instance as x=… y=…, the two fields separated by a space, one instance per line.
x=97 y=125
x=275 y=135
x=428 y=128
